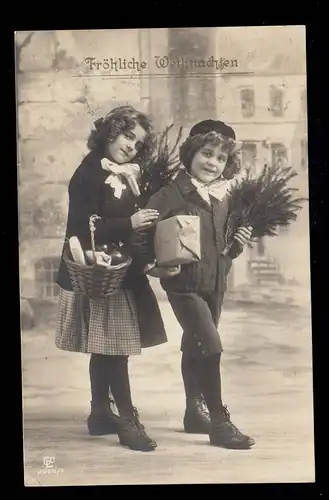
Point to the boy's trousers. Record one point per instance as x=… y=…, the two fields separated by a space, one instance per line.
x=198 y=315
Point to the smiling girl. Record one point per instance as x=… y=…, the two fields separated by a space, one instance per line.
x=196 y=290
x=106 y=184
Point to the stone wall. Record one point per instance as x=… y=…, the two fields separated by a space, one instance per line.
x=59 y=97
x=57 y=103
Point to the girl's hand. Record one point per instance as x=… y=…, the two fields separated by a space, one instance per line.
x=164 y=272
x=243 y=235
x=143 y=218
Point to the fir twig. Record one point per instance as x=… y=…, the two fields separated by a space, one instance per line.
x=265 y=203
x=160 y=170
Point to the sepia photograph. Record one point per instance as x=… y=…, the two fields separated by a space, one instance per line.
x=164 y=256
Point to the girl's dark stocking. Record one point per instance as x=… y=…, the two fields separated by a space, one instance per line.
x=120 y=385
x=101 y=419
x=99 y=380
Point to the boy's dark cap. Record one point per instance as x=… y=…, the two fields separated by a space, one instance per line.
x=206 y=126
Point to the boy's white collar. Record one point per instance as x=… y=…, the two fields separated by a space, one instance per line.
x=217 y=188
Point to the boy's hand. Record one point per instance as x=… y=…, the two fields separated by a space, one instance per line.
x=243 y=236
x=164 y=272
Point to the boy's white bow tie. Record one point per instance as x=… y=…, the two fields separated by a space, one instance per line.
x=129 y=171
x=217 y=189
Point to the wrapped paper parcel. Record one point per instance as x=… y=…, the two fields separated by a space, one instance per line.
x=177 y=240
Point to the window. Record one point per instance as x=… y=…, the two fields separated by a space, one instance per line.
x=276 y=101
x=247 y=98
x=45 y=277
x=279 y=154
x=249 y=153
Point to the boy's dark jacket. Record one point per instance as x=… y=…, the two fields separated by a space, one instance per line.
x=89 y=195
x=210 y=273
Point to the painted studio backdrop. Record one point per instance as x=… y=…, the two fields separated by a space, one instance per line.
x=254 y=79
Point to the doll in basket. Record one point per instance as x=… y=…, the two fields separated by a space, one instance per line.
x=106 y=184
x=196 y=290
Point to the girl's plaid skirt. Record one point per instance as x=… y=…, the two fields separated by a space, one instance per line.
x=103 y=326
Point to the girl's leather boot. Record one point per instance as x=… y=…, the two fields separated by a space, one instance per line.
x=102 y=420
x=132 y=433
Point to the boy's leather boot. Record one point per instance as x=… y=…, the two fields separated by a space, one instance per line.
x=196 y=418
x=225 y=434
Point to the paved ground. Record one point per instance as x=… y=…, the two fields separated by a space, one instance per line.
x=267 y=384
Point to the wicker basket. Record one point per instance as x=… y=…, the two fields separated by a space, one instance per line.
x=96 y=281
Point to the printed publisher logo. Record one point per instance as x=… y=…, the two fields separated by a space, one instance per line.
x=49 y=462
x=49 y=466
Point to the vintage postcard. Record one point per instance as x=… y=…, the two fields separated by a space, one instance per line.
x=164 y=256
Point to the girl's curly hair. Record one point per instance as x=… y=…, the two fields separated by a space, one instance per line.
x=194 y=143
x=120 y=120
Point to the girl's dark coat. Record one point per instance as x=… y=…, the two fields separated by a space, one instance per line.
x=89 y=195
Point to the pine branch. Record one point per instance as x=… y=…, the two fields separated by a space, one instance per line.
x=265 y=202
x=160 y=170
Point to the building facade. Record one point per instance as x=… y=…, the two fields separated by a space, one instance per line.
x=268 y=112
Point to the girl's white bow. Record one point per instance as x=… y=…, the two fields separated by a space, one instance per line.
x=130 y=171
